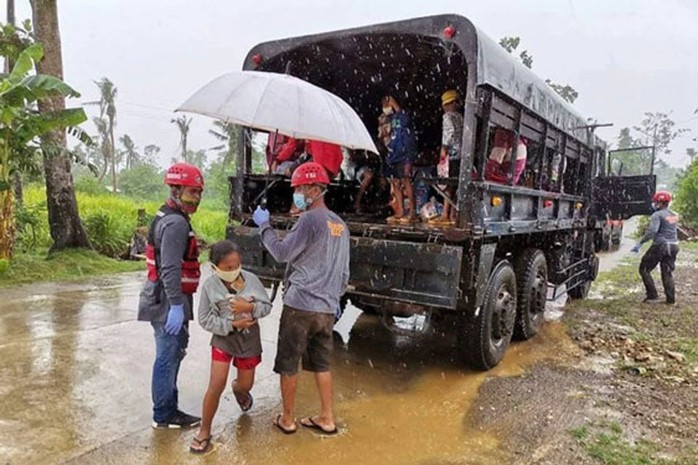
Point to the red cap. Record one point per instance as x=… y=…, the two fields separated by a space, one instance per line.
x=309 y=173
x=184 y=174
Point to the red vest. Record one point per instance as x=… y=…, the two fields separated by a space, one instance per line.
x=191 y=270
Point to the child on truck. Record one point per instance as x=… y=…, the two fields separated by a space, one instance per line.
x=231 y=302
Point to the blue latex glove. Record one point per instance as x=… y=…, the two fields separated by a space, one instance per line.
x=260 y=216
x=175 y=320
x=636 y=249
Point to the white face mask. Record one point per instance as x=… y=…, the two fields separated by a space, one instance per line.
x=387 y=111
x=227 y=276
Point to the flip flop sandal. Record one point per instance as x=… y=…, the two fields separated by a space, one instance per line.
x=283 y=429
x=247 y=405
x=205 y=445
x=310 y=423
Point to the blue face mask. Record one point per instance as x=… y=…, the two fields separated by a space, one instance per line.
x=299 y=201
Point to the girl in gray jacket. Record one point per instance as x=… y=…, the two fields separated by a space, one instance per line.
x=230 y=303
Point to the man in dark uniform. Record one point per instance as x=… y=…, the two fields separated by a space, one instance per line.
x=664 y=249
x=172 y=259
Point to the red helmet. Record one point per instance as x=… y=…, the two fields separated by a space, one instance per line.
x=661 y=197
x=309 y=173
x=184 y=174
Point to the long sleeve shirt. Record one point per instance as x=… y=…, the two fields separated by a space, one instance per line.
x=316 y=253
x=172 y=235
x=215 y=316
x=662 y=228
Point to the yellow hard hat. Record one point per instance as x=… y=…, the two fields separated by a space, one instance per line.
x=449 y=96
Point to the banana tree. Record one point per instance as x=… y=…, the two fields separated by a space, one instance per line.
x=21 y=124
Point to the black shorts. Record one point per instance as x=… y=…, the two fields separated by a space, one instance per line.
x=304 y=336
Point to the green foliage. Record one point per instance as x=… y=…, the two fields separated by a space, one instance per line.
x=110 y=236
x=607 y=445
x=30 y=267
x=567 y=92
x=110 y=220
x=687 y=196
x=143 y=182
x=89 y=184
x=31 y=231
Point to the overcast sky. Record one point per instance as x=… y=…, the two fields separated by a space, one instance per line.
x=625 y=57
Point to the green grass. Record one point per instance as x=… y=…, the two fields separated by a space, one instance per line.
x=208 y=223
x=62 y=266
x=608 y=446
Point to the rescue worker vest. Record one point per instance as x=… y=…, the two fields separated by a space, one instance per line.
x=191 y=270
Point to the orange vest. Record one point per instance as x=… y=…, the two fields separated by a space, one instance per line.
x=191 y=269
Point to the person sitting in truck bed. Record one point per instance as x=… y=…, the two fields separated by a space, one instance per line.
x=326 y=154
x=283 y=153
x=498 y=164
x=361 y=166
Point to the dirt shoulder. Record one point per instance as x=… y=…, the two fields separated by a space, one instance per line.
x=631 y=394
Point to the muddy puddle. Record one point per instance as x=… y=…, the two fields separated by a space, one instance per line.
x=75 y=374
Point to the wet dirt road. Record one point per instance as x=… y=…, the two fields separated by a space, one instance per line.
x=75 y=387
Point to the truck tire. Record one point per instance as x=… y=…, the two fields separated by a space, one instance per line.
x=488 y=330
x=532 y=284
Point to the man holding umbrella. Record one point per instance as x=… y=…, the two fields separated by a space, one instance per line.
x=316 y=252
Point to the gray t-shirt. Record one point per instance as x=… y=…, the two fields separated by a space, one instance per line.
x=662 y=228
x=316 y=252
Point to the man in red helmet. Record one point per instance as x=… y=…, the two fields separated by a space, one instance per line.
x=316 y=252
x=172 y=258
x=664 y=249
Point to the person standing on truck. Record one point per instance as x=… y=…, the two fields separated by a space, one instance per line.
x=401 y=154
x=316 y=253
x=662 y=231
x=172 y=258
x=451 y=141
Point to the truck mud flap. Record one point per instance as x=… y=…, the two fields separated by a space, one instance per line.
x=414 y=273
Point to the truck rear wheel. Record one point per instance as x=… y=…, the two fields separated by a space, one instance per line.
x=489 y=328
x=532 y=285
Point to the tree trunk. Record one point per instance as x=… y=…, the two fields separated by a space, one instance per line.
x=64 y=220
x=7 y=222
x=113 y=157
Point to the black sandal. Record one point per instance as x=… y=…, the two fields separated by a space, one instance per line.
x=206 y=442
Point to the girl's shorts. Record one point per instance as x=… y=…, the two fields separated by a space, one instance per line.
x=242 y=363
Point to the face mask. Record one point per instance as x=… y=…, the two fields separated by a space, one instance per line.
x=387 y=111
x=189 y=204
x=299 y=201
x=227 y=276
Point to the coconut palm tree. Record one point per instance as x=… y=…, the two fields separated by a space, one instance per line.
x=183 y=124
x=131 y=152
x=107 y=113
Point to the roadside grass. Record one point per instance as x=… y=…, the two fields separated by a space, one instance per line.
x=68 y=265
x=208 y=223
x=606 y=443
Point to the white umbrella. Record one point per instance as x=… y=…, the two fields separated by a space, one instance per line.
x=283 y=103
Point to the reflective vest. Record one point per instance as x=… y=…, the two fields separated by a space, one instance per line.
x=191 y=271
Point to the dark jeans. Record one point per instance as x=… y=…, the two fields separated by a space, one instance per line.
x=169 y=352
x=663 y=255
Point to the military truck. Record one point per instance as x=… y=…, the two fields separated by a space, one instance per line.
x=490 y=273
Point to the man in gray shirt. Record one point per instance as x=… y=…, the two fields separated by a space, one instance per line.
x=664 y=249
x=316 y=252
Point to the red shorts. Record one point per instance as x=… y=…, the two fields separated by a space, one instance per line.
x=242 y=363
